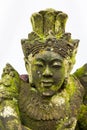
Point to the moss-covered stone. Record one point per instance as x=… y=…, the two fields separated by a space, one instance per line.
x=49 y=98
x=82 y=118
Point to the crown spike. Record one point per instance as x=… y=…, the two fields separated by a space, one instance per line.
x=49 y=22
x=37 y=23
x=60 y=22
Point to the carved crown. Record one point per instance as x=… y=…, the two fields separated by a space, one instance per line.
x=49 y=32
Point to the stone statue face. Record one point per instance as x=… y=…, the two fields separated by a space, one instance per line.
x=47 y=72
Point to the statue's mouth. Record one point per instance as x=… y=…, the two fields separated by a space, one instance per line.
x=46 y=83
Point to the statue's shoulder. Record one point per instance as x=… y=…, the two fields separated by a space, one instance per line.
x=81 y=74
x=9 y=82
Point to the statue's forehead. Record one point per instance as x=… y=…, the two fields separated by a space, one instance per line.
x=48 y=56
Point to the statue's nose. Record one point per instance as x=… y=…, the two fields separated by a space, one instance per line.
x=47 y=71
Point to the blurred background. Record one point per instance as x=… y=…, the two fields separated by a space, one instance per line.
x=15 y=25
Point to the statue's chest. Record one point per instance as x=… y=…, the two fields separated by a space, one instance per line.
x=39 y=113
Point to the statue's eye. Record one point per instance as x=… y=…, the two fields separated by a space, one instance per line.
x=39 y=64
x=56 y=64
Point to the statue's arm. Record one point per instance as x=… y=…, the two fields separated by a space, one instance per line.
x=9 y=91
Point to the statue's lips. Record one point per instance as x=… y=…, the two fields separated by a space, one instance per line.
x=46 y=83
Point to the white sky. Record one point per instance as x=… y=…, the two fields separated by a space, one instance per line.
x=15 y=25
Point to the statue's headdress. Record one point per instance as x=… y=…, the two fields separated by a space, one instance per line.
x=49 y=34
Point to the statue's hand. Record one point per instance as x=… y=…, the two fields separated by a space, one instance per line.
x=9 y=82
x=9 y=75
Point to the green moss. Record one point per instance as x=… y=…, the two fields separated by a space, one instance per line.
x=71 y=86
x=79 y=72
x=82 y=118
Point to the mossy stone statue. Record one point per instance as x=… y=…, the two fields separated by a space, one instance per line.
x=49 y=97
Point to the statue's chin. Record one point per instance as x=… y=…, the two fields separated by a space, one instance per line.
x=48 y=93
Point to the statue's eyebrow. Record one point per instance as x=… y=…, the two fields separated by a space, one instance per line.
x=53 y=59
x=57 y=60
x=40 y=59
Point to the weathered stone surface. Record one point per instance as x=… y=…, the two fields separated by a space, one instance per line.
x=48 y=97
